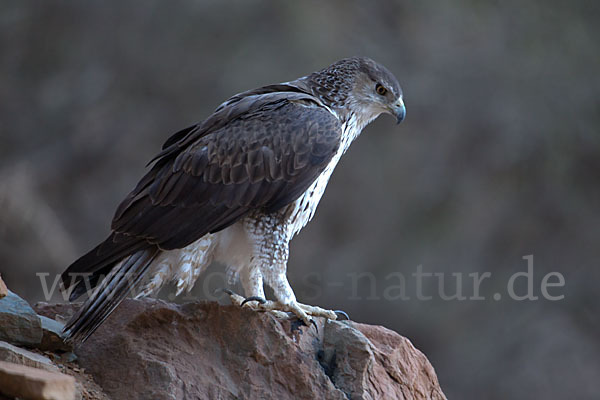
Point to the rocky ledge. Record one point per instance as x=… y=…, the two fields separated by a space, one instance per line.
x=150 y=349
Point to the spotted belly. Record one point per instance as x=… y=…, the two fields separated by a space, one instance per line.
x=234 y=245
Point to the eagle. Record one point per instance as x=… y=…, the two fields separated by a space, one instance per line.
x=234 y=189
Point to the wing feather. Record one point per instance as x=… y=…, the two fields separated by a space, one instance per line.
x=258 y=152
x=275 y=164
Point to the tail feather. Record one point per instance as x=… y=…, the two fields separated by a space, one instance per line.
x=88 y=270
x=109 y=294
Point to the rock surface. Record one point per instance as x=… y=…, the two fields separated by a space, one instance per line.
x=32 y=383
x=17 y=355
x=52 y=336
x=56 y=311
x=3 y=288
x=20 y=324
x=151 y=349
x=34 y=374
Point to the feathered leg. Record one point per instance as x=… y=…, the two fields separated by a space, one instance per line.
x=269 y=265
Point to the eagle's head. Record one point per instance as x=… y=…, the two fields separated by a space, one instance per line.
x=361 y=87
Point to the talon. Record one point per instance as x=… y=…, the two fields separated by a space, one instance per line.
x=235 y=298
x=254 y=298
x=312 y=321
x=223 y=290
x=343 y=313
x=306 y=322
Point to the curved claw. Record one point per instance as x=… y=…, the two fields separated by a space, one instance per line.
x=313 y=323
x=343 y=313
x=298 y=322
x=254 y=298
x=223 y=290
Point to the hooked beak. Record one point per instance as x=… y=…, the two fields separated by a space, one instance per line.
x=398 y=110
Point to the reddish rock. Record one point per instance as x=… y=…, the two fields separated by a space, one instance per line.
x=57 y=311
x=3 y=288
x=52 y=336
x=20 y=381
x=152 y=349
x=372 y=362
x=17 y=355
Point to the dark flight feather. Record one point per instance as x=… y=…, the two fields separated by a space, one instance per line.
x=107 y=296
x=246 y=156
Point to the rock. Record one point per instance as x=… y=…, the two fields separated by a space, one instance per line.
x=372 y=362
x=31 y=383
x=3 y=288
x=17 y=355
x=152 y=349
x=19 y=324
x=52 y=336
x=85 y=386
x=56 y=311
x=68 y=357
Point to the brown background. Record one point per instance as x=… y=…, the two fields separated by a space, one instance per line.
x=499 y=158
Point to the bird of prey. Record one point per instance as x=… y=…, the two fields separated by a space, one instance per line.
x=235 y=189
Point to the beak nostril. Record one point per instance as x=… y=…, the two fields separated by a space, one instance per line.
x=399 y=111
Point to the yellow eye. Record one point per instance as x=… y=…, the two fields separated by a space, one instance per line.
x=380 y=89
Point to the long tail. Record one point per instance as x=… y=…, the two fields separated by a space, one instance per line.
x=109 y=294
x=85 y=273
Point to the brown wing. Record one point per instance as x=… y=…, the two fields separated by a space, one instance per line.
x=262 y=153
x=264 y=159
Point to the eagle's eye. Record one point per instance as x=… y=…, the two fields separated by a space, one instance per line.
x=380 y=89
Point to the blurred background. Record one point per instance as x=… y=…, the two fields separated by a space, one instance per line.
x=498 y=159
